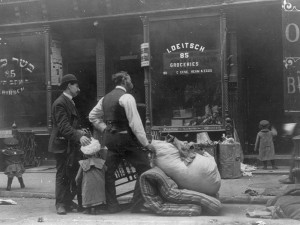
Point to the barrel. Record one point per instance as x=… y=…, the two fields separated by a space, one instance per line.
x=230 y=161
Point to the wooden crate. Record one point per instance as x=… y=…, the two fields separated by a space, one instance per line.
x=230 y=161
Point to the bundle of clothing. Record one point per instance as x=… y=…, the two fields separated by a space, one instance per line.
x=286 y=205
x=190 y=170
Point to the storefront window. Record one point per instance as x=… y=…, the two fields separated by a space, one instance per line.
x=22 y=81
x=186 y=83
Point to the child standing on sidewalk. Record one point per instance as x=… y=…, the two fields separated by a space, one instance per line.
x=91 y=178
x=13 y=161
x=264 y=144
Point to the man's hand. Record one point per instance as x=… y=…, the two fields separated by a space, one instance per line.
x=150 y=148
x=151 y=153
x=100 y=126
x=85 y=141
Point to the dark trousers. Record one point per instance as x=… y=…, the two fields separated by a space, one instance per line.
x=64 y=192
x=123 y=146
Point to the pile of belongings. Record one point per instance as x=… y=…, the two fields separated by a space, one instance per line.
x=212 y=116
x=286 y=205
x=227 y=140
x=182 y=183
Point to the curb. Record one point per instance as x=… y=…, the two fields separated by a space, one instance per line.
x=260 y=199
x=11 y=194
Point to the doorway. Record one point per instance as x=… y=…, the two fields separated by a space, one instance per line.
x=261 y=71
x=80 y=60
x=87 y=99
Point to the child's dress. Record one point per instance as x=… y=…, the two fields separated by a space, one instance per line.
x=91 y=177
x=264 y=144
x=13 y=161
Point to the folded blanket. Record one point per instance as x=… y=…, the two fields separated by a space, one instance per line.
x=162 y=195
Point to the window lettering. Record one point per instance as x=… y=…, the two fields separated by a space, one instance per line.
x=291 y=28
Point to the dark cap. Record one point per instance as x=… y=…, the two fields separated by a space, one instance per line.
x=264 y=123
x=68 y=78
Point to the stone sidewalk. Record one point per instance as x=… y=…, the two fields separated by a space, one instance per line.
x=261 y=186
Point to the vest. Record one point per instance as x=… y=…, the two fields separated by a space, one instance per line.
x=114 y=114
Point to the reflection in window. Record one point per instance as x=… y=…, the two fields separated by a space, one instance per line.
x=22 y=81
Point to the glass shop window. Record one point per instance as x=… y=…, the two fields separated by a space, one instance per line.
x=22 y=81
x=186 y=83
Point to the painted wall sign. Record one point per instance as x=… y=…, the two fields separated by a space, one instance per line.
x=189 y=62
x=145 y=56
x=291 y=55
x=12 y=71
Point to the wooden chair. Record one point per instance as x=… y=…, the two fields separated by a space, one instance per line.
x=124 y=175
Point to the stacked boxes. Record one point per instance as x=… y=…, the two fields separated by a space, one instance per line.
x=182 y=117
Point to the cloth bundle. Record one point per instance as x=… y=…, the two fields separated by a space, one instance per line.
x=163 y=197
x=189 y=170
x=286 y=205
x=92 y=148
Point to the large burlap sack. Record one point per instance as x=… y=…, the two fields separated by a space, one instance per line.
x=201 y=175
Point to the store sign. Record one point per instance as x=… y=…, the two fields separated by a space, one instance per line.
x=188 y=46
x=145 y=56
x=11 y=75
x=6 y=134
x=166 y=129
x=189 y=62
x=291 y=55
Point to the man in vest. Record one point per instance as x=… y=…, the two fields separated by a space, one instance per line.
x=117 y=116
x=66 y=137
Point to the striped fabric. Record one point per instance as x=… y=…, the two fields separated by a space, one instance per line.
x=163 y=197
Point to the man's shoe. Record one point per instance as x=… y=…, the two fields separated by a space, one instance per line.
x=61 y=210
x=139 y=207
x=114 y=209
x=144 y=208
x=87 y=211
x=286 y=181
x=72 y=207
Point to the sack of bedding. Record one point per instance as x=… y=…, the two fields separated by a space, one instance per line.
x=200 y=175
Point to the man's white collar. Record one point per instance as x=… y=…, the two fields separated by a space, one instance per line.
x=121 y=87
x=69 y=96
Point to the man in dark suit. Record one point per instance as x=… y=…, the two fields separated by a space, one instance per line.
x=64 y=142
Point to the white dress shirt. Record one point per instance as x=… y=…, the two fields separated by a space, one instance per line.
x=127 y=101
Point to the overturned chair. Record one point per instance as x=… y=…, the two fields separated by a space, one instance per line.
x=125 y=174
